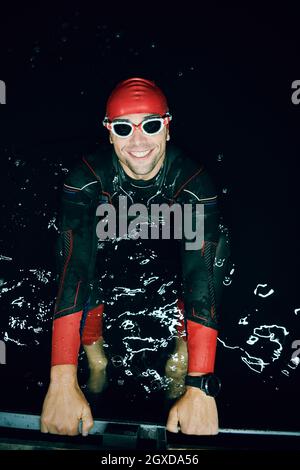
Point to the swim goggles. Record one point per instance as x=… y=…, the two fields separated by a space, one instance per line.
x=149 y=126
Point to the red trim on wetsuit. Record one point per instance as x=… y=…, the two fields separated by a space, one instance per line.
x=202 y=344
x=66 y=339
x=187 y=181
x=93 y=325
x=91 y=169
x=66 y=335
x=98 y=178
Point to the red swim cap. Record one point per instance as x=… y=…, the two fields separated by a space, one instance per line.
x=136 y=95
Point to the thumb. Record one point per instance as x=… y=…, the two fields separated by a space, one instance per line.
x=87 y=421
x=172 y=423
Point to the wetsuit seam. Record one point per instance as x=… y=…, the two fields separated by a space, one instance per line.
x=65 y=266
x=75 y=301
x=98 y=179
x=92 y=170
x=187 y=181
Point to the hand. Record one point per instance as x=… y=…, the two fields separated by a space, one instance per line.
x=64 y=406
x=194 y=413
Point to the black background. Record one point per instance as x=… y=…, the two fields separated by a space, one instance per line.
x=227 y=74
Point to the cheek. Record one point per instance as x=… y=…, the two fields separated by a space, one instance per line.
x=162 y=141
x=120 y=146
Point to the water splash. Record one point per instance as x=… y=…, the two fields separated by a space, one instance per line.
x=260 y=288
x=260 y=340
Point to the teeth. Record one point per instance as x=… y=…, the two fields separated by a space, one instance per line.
x=140 y=154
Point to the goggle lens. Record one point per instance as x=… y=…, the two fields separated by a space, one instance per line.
x=121 y=129
x=152 y=127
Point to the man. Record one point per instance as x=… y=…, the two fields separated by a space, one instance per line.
x=141 y=169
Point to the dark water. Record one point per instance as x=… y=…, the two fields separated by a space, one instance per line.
x=258 y=321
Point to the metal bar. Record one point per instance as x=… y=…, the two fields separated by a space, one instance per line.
x=149 y=431
x=262 y=432
x=32 y=422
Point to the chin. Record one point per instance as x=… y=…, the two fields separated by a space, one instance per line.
x=142 y=171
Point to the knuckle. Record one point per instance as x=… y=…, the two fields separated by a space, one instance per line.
x=61 y=429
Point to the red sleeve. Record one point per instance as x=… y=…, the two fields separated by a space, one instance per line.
x=66 y=339
x=202 y=345
x=92 y=330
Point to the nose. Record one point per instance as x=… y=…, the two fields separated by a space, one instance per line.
x=138 y=137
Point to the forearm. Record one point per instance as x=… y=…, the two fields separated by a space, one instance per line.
x=66 y=340
x=200 y=300
x=201 y=344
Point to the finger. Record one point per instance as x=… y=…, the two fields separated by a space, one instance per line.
x=172 y=423
x=87 y=422
x=63 y=430
x=44 y=427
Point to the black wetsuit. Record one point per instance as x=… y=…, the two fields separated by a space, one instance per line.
x=138 y=279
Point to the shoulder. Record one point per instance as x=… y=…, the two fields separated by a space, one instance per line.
x=85 y=176
x=88 y=168
x=192 y=176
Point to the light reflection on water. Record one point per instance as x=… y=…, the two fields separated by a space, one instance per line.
x=138 y=335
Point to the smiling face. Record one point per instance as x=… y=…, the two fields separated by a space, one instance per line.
x=140 y=155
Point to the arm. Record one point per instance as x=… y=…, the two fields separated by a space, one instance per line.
x=196 y=412
x=65 y=404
